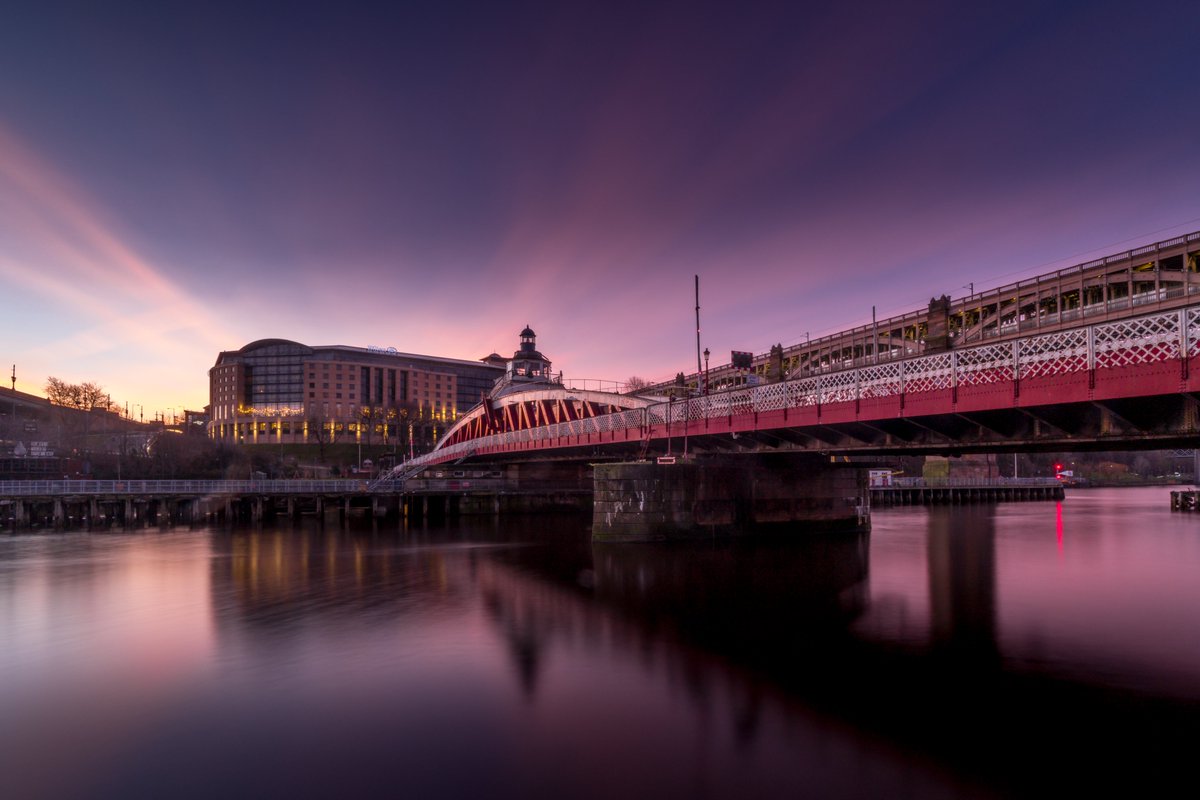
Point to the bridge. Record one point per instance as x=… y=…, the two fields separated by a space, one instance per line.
x=1099 y=356
x=1102 y=355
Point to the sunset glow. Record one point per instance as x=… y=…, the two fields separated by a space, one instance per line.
x=174 y=186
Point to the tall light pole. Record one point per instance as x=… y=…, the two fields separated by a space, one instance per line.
x=14 y=402
x=697 y=323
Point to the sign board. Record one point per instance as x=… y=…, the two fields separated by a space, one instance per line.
x=740 y=359
x=666 y=459
x=879 y=478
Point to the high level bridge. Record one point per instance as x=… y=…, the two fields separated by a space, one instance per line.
x=1102 y=355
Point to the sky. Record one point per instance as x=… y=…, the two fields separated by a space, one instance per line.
x=178 y=179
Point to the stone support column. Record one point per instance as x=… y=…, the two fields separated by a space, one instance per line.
x=730 y=495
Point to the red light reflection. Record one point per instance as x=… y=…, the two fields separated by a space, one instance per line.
x=1058 y=524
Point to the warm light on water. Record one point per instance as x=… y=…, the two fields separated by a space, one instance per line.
x=514 y=660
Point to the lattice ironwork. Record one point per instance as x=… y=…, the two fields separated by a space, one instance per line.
x=697 y=407
x=1142 y=340
x=839 y=387
x=607 y=422
x=1193 y=331
x=803 y=393
x=990 y=363
x=634 y=418
x=882 y=380
x=736 y=401
x=771 y=397
x=1058 y=353
x=928 y=374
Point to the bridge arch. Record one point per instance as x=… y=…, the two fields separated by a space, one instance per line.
x=535 y=407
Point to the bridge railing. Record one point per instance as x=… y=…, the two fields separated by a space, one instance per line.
x=1137 y=340
x=965 y=483
x=169 y=487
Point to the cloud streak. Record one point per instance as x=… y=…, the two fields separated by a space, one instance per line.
x=105 y=299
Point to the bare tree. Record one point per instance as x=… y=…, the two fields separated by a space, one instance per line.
x=85 y=396
x=61 y=393
x=323 y=431
x=370 y=418
x=635 y=383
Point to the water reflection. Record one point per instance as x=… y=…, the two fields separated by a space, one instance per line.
x=655 y=659
x=962 y=580
x=1025 y=648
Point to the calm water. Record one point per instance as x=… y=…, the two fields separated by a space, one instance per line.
x=1021 y=649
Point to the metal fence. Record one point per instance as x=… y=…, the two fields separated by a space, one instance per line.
x=199 y=488
x=965 y=483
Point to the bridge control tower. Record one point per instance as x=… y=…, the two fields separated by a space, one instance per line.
x=528 y=365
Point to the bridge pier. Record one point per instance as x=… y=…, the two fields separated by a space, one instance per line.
x=787 y=494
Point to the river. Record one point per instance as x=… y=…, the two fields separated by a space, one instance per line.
x=1022 y=649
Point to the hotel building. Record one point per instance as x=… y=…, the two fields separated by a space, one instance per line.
x=276 y=391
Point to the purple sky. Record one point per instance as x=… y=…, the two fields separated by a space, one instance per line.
x=179 y=179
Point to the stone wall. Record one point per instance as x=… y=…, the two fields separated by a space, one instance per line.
x=729 y=495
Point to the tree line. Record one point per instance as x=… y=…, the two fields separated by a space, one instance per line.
x=85 y=396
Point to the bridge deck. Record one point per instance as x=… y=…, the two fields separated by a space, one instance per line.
x=1128 y=382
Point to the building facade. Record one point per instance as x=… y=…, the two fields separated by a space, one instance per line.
x=276 y=391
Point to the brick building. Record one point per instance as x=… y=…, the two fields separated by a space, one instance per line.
x=276 y=391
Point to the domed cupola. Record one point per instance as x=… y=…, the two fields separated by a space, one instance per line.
x=527 y=363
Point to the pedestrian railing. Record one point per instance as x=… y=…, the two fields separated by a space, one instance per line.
x=182 y=487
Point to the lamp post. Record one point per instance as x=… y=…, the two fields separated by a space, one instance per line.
x=706 y=354
x=13 y=419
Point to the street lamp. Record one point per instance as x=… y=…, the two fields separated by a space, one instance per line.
x=706 y=354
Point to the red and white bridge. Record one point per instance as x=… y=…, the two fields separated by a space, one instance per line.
x=1105 y=355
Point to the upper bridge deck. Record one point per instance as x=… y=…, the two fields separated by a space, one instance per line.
x=1155 y=277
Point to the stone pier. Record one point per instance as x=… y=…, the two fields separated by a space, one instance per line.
x=728 y=495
